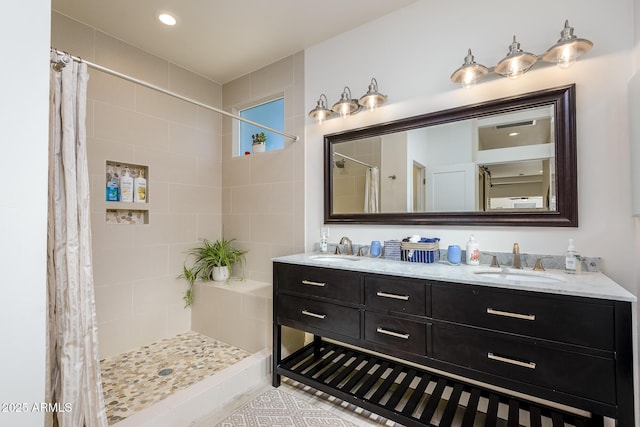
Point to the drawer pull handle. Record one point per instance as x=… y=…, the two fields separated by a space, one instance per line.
x=311 y=314
x=530 y=365
x=514 y=315
x=309 y=282
x=393 y=334
x=392 y=296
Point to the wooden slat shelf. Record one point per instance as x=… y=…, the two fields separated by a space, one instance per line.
x=412 y=396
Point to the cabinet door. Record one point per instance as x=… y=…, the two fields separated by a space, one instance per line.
x=338 y=285
x=527 y=361
x=397 y=295
x=554 y=317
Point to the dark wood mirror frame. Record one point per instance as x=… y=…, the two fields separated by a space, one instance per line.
x=563 y=100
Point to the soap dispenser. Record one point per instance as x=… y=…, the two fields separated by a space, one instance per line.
x=572 y=260
x=473 y=253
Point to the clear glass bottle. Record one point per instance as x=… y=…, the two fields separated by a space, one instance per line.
x=572 y=263
x=324 y=238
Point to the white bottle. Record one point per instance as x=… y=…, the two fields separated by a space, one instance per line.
x=572 y=264
x=473 y=253
x=140 y=188
x=126 y=186
x=324 y=237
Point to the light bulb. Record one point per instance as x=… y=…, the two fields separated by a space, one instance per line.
x=469 y=79
x=167 y=19
x=567 y=57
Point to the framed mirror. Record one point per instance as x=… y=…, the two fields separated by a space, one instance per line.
x=509 y=161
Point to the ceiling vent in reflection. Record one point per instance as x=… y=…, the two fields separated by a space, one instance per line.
x=518 y=124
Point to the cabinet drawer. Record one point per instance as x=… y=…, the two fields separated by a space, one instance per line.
x=395 y=333
x=332 y=318
x=397 y=295
x=578 y=374
x=338 y=285
x=545 y=316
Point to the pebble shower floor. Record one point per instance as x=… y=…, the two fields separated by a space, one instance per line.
x=142 y=377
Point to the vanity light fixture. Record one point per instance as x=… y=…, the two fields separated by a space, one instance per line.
x=372 y=98
x=470 y=72
x=568 y=48
x=347 y=105
x=321 y=112
x=517 y=62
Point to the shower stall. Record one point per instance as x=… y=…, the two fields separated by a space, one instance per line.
x=138 y=250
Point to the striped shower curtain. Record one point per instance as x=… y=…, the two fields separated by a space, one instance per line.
x=372 y=190
x=74 y=382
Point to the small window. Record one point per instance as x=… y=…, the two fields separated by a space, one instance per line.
x=269 y=114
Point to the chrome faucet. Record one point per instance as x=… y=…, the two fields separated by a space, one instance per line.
x=349 y=250
x=517 y=263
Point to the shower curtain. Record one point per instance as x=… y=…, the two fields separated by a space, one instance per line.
x=74 y=383
x=372 y=190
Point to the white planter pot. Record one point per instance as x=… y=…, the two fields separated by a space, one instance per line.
x=258 y=148
x=220 y=274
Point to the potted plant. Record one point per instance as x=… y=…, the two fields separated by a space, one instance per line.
x=259 y=142
x=211 y=261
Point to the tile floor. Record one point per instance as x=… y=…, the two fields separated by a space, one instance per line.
x=140 y=378
x=300 y=392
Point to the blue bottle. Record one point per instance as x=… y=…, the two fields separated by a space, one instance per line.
x=112 y=187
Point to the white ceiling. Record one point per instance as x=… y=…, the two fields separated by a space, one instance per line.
x=225 y=39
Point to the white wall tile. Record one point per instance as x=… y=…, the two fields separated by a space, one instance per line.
x=120 y=56
x=157 y=104
x=114 y=302
x=125 y=126
x=109 y=89
x=193 y=141
x=194 y=86
x=72 y=36
x=193 y=198
x=165 y=166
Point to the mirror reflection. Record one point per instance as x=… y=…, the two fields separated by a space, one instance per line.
x=503 y=161
x=508 y=161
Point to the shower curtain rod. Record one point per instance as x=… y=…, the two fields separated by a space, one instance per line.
x=63 y=58
x=335 y=153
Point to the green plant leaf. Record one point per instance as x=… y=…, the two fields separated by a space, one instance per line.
x=208 y=255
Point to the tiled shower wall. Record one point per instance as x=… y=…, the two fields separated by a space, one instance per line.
x=263 y=193
x=138 y=297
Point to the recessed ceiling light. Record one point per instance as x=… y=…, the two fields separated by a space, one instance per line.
x=514 y=134
x=167 y=19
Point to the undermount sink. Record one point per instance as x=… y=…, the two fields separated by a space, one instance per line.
x=519 y=275
x=334 y=258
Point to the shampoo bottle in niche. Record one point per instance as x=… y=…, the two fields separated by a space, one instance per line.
x=126 y=186
x=572 y=264
x=140 y=188
x=112 y=186
x=473 y=253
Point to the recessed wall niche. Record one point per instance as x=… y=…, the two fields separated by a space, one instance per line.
x=126 y=196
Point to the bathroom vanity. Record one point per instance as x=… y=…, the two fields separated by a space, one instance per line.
x=427 y=344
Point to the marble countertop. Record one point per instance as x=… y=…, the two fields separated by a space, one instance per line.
x=592 y=285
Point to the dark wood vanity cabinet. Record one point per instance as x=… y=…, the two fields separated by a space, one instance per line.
x=571 y=350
